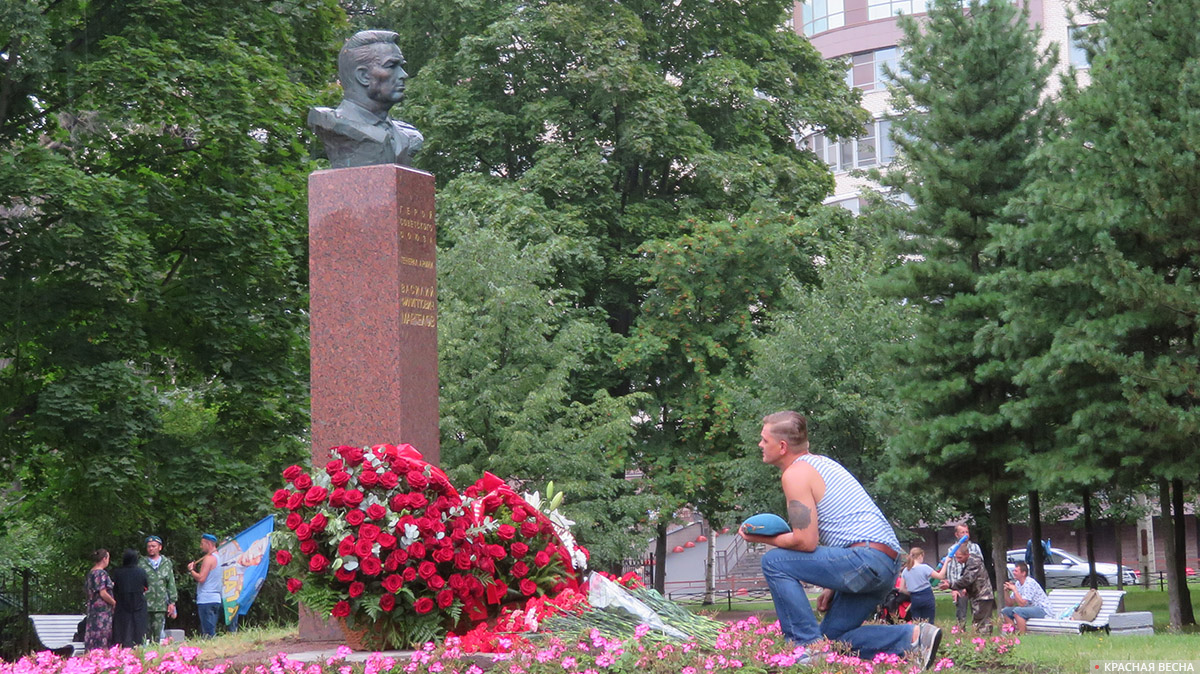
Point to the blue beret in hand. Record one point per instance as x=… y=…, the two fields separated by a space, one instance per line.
x=766 y=524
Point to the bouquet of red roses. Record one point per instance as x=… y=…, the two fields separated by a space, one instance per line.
x=381 y=539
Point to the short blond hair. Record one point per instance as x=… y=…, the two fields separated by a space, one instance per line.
x=791 y=427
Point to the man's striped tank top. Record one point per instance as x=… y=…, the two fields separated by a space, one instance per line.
x=846 y=514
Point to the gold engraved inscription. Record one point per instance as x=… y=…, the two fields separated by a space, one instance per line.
x=418 y=305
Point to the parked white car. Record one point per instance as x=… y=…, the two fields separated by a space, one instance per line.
x=1064 y=569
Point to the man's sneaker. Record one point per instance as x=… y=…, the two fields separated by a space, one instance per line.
x=928 y=640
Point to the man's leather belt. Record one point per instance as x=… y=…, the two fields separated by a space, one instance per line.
x=887 y=550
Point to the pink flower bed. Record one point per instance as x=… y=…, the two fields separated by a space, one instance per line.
x=746 y=645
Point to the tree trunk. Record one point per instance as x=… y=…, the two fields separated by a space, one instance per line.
x=1164 y=504
x=1120 y=554
x=1035 y=530
x=1186 y=615
x=660 y=559
x=710 y=558
x=999 y=545
x=1089 y=538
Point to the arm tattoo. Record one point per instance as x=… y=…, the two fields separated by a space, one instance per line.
x=799 y=515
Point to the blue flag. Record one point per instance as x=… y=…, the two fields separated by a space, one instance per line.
x=243 y=562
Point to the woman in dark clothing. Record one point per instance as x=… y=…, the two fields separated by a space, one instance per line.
x=130 y=618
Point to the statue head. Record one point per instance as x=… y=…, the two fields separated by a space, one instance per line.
x=371 y=69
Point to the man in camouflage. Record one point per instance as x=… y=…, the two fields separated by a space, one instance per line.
x=162 y=595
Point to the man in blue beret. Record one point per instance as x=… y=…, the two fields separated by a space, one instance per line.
x=162 y=593
x=208 y=585
x=840 y=541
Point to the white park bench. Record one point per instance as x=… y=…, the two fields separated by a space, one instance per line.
x=58 y=631
x=1063 y=600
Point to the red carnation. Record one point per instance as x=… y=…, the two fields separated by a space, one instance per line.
x=356 y=589
x=389 y=480
x=353 y=498
x=519 y=549
x=368 y=531
x=308 y=547
x=340 y=609
x=292 y=472
x=294 y=585
x=416 y=480
x=315 y=495
x=376 y=511
x=344 y=575
x=283 y=557
x=423 y=605
x=393 y=582
x=426 y=569
x=529 y=528
x=318 y=563
x=436 y=582
x=304 y=531
x=387 y=602
x=303 y=482
x=541 y=559
x=295 y=500
x=294 y=520
x=280 y=498
x=340 y=478
x=318 y=522
x=368 y=478
x=506 y=532
x=528 y=587
x=346 y=546
x=333 y=466
x=520 y=569
x=371 y=566
x=355 y=517
x=445 y=598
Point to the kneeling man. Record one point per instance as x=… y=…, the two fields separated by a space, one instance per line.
x=839 y=541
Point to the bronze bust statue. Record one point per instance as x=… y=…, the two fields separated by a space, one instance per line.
x=359 y=132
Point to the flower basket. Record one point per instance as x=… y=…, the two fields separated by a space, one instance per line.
x=379 y=537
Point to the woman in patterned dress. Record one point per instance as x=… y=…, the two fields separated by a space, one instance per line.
x=100 y=603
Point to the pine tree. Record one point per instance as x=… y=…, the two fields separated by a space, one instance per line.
x=1110 y=252
x=969 y=96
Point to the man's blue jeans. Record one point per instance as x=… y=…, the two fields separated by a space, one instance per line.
x=208 y=618
x=859 y=577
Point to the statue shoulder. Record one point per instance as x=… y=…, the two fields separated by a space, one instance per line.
x=322 y=117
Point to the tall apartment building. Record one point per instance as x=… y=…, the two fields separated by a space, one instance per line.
x=866 y=34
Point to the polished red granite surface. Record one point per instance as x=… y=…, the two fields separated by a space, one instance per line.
x=373 y=286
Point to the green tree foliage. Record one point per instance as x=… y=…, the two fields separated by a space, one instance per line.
x=153 y=259
x=827 y=356
x=1110 y=252
x=969 y=94
x=605 y=141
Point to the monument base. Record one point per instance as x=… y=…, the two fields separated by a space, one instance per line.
x=373 y=309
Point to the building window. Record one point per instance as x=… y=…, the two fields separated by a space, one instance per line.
x=822 y=15
x=882 y=9
x=1077 y=52
x=872 y=148
x=851 y=204
x=866 y=69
